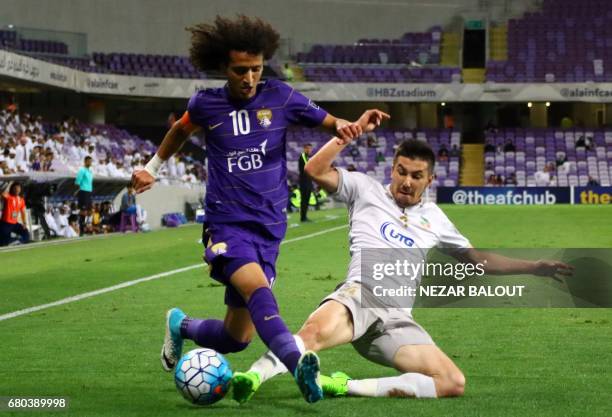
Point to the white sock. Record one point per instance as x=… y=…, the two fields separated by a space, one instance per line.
x=268 y=365
x=406 y=385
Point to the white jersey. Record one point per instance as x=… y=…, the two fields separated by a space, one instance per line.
x=377 y=222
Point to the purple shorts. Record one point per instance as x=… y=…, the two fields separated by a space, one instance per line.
x=231 y=246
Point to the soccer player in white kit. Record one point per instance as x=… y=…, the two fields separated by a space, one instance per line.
x=387 y=336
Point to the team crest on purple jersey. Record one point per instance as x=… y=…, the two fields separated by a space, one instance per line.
x=264 y=116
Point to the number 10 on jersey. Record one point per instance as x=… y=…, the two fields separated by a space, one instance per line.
x=241 y=122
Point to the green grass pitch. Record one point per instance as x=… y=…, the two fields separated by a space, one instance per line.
x=103 y=352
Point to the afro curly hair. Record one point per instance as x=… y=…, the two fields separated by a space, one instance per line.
x=211 y=44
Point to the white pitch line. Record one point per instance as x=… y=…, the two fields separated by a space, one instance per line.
x=138 y=281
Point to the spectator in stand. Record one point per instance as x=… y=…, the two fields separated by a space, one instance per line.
x=14 y=206
x=88 y=222
x=10 y=161
x=190 y=177
x=91 y=151
x=36 y=194
x=585 y=142
x=181 y=169
x=543 y=178
x=105 y=217
x=4 y=169
x=102 y=169
x=112 y=169
x=73 y=212
x=499 y=180
x=491 y=181
x=141 y=219
x=74 y=221
x=36 y=158
x=511 y=180
x=96 y=220
x=128 y=201
x=588 y=142
x=47 y=165
x=592 y=182
x=561 y=159
x=65 y=227
x=509 y=147
x=380 y=157
x=51 y=223
x=71 y=151
x=171 y=166
x=443 y=153
x=22 y=152
x=454 y=152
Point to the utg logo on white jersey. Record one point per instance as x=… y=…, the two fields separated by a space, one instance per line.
x=392 y=233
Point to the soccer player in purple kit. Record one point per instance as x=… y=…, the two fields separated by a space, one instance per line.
x=245 y=124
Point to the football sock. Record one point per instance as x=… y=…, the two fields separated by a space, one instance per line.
x=268 y=365
x=211 y=334
x=272 y=329
x=406 y=385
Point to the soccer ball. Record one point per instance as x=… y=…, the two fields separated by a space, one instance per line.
x=203 y=376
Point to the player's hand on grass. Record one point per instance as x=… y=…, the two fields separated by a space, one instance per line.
x=347 y=131
x=553 y=269
x=371 y=119
x=142 y=181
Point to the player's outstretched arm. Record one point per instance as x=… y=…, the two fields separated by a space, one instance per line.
x=320 y=168
x=341 y=128
x=180 y=131
x=495 y=264
x=346 y=131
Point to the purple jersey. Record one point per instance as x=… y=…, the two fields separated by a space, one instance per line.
x=247 y=162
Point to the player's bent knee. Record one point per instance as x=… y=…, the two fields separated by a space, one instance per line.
x=312 y=335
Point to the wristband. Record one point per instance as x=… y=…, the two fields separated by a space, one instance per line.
x=154 y=165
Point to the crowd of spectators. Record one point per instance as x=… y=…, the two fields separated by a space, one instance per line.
x=545 y=177
x=65 y=220
x=27 y=144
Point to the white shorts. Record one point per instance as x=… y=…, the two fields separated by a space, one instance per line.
x=378 y=333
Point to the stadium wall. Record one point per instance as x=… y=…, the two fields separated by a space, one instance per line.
x=162 y=199
x=157 y=26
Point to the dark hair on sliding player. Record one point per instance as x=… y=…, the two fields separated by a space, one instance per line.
x=415 y=149
x=211 y=44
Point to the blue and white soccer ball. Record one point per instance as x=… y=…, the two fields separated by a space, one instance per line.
x=203 y=376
